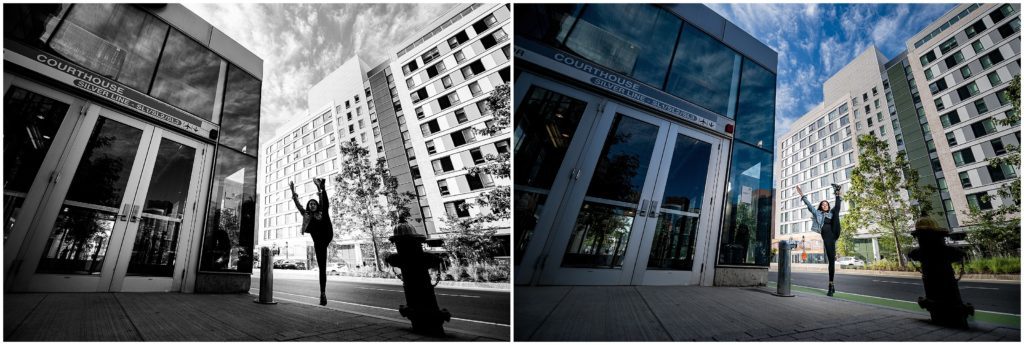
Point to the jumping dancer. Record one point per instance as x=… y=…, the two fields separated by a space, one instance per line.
x=316 y=220
x=826 y=223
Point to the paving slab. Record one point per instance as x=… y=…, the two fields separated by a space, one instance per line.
x=599 y=313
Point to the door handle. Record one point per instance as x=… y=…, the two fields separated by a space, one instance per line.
x=643 y=205
x=124 y=212
x=135 y=213
x=653 y=213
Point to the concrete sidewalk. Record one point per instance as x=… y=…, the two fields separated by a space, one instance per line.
x=656 y=313
x=191 y=317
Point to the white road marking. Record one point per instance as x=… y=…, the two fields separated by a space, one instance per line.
x=257 y=292
x=892 y=282
x=436 y=293
x=896 y=300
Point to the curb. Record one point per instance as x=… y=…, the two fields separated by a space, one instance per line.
x=472 y=286
x=988 y=278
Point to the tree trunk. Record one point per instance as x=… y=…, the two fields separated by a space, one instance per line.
x=899 y=249
x=376 y=251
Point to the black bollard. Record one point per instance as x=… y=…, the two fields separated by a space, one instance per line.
x=942 y=295
x=422 y=307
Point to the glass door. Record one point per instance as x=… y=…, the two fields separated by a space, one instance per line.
x=162 y=216
x=552 y=123
x=598 y=232
x=88 y=214
x=680 y=216
x=38 y=126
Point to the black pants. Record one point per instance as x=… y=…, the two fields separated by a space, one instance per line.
x=830 y=254
x=320 y=243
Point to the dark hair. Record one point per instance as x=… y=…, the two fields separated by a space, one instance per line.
x=824 y=202
x=314 y=202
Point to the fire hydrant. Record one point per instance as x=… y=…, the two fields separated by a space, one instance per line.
x=942 y=295
x=422 y=307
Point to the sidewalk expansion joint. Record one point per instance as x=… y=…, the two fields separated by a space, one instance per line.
x=128 y=316
x=650 y=309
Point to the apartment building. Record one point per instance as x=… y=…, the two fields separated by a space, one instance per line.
x=341 y=108
x=430 y=98
x=962 y=65
x=435 y=85
x=941 y=97
x=820 y=149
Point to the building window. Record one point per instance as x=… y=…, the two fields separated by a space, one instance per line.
x=748 y=218
x=993 y=78
x=997 y=147
x=938 y=104
x=706 y=72
x=442 y=165
x=1003 y=96
x=430 y=55
x=968 y=91
x=980 y=106
x=410 y=67
x=990 y=59
x=460 y=116
x=494 y=38
x=1010 y=28
x=478 y=157
x=188 y=75
x=975 y=29
x=965 y=156
x=430 y=147
x=458 y=39
x=948 y=45
x=928 y=74
x=965 y=72
x=443 y=186
x=965 y=180
x=239 y=121
x=474 y=88
x=478 y=181
x=1000 y=14
x=978 y=46
x=448 y=100
x=483 y=24
x=419 y=112
x=446 y=81
x=951 y=139
x=983 y=127
x=472 y=69
x=979 y=201
x=949 y=119
x=456 y=209
x=460 y=56
x=436 y=69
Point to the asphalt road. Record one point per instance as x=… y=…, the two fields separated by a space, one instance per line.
x=997 y=297
x=483 y=312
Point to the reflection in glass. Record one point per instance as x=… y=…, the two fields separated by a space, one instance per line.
x=32 y=23
x=116 y=40
x=676 y=233
x=755 y=118
x=188 y=76
x=748 y=208
x=156 y=242
x=230 y=226
x=705 y=72
x=30 y=123
x=602 y=228
x=636 y=40
x=545 y=22
x=240 y=122
x=78 y=242
x=545 y=126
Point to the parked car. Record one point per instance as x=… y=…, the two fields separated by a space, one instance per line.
x=849 y=261
x=292 y=264
x=278 y=262
x=335 y=268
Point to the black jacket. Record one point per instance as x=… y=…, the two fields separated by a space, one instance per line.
x=310 y=224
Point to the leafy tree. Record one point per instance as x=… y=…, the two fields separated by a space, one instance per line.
x=366 y=199
x=845 y=244
x=996 y=231
x=473 y=238
x=874 y=198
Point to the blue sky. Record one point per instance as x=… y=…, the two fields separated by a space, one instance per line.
x=816 y=40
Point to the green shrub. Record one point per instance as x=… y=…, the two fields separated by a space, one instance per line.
x=993 y=265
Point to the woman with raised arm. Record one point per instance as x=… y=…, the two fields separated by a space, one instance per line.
x=316 y=220
x=826 y=223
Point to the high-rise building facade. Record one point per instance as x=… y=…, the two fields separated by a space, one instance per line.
x=340 y=109
x=420 y=109
x=643 y=151
x=820 y=149
x=962 y=65
x=431 y=101
x=941 y=98
x=130 y=150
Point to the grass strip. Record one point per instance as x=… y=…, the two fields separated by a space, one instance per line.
x=982 y=316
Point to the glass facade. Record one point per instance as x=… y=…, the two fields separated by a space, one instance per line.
x=650 y=44
x=230 y=220
x=132 y=46
x=747 y=226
